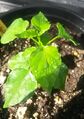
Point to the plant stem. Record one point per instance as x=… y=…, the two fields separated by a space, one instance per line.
x=55 y=38
x=35 y=41
x=73 y=42
x=40 y=43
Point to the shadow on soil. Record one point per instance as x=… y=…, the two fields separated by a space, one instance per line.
x=74 y=109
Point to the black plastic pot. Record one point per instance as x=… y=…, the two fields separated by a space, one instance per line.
x=64 y=15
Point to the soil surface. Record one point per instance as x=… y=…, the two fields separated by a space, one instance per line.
x=67 y=104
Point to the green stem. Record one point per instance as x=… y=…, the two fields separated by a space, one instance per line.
x=55 y=38
x=40 y=43
x=73 y=42
x=35 y=41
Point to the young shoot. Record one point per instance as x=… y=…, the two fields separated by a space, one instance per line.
x=40 y=64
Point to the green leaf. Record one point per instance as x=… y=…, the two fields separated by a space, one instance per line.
x=19 y=84
x=21 y=60
x=61 y=73
x=43 y=64
x=45 y=38
x=40 y=22
x=64 y=34
x=30 y=33
x=18 y=26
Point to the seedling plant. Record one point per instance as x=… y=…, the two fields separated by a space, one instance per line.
x=38 y=65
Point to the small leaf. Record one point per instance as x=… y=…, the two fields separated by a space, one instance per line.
x=40 y=22
x=45 y=38
x=61 y=74
x=64 y=34
x=19 y=84
x=21 y=60
x=18 y=26
x=30 y=33
x=43 y=63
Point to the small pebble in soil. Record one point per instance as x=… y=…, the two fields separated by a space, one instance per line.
x=15 y=45
x=21 y=112
x=72 y=71
x=8 y=70
x=54 y=44
x=45 y=94
x=64 y=96
x=35 y=115
x=2 y=78
x=75 y=53
x=66 y=46
x=78 y=64
x=29 y=101
x=11 y=115
x=58 y=101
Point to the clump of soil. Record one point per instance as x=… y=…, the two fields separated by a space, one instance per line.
x=67 y=104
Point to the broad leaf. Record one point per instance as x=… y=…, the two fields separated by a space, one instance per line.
x=30 y=33
x=43 y=64
x=18 y=26
x=40 y=22
x=21 y=60
x=19 y=84
x=64 y=34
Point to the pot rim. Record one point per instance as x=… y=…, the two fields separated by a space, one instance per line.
x=78 y=19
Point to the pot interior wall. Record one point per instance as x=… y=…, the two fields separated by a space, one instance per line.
x=63 y=15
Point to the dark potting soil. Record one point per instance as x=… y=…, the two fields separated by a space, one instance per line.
x=67 y=104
